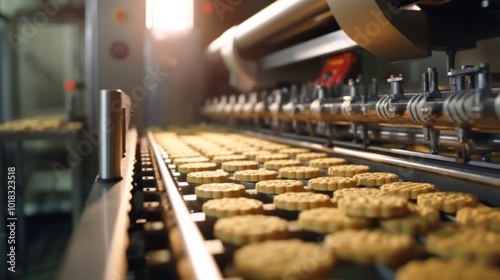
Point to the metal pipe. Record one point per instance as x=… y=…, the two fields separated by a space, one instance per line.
x=275 y=18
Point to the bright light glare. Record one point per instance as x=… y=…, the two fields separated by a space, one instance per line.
x=169 y=14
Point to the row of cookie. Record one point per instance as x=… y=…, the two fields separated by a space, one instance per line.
x=444 y=241
x=359 y=203
x=359 y=246
x=294 y=259
x=331 y=208
x=441 y=201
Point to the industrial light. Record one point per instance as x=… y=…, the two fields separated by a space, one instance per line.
x=169 y=14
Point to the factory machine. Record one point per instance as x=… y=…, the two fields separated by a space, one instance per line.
x=297 y=70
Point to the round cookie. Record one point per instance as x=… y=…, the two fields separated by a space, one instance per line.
x=231 y=166
x=280 y=163
x=332 y=183
x=273 y=147
x=252 y=154
x=408 y=190
x=239 y=230
x=439 y=269
x=206 y=177
x=241 y=150
x=374 y=206
x=197 y=166
x=221 y=159
x=228 y=207
x=186 y=154
x=448 y=202
x=421 y=220
x=295 y=201
x=474 y=244
x=367 y=247
x=255 y=175
x=326 y=162
x=355 y=192
x=347 y=170
x=267 y=157
x=327 y=220
x=283 y=259
x=310 y=156
x=181 y=161
x=375 y=179
x=220 y=190
x=292 y=152
x=216 y=153
x=279 y=186
x=299 y=172
x=482 y=217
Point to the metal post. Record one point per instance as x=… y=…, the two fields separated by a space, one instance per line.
x=111 y=130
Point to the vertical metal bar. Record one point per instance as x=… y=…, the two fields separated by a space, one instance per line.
x=111 y=130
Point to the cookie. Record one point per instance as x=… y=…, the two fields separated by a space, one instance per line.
x=214 y=153
x=280 y=163
x=267 y=157
x=273 y=147
x=279 y=186
x=283 y=259
x=231 y=166
x=292 y=152
x=367 y=247
x=228 y=207
x=474 y=244
x=355 y=192
x=299 y=172
x=186 y=154
x=408 y=190
x=181 y=161
x=206 y=177
x=482 y=217
x=197 y=166
x=375 y=179
x=295 y=201
x=421 y=220
x=240 y=150
x=221 y=159
x=239 y=230
x=310 y=156
x=448 y=202
x=332 y=183
x=255 y=175
x=439 y=269
x=252 y=154
x=327 y=220
x=326 y=162
x=374 y=206
x=347 y=170
x=220 y=190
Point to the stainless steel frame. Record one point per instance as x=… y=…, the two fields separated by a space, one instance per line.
x=97 y=249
